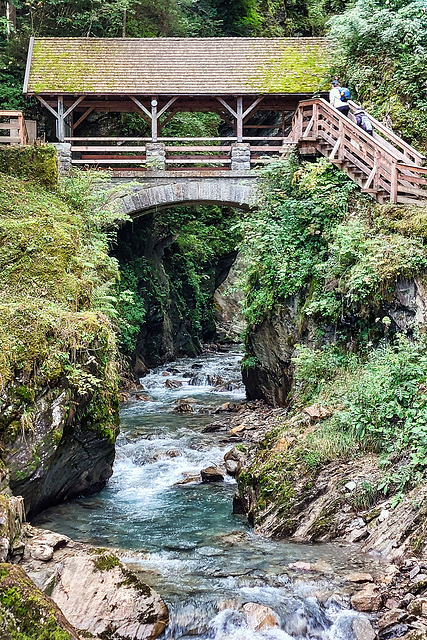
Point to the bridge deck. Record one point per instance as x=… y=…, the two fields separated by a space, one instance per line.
x=383 y=164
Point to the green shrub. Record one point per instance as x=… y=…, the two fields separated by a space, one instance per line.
x=37 y=163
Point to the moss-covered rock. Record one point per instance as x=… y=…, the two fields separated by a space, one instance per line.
x=58 y=375
x=26 y=613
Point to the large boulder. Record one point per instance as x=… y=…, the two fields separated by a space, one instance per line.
x=94 y=589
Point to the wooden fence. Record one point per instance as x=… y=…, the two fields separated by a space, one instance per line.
x=12 y=128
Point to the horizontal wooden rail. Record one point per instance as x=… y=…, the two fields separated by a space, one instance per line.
x=16 y=123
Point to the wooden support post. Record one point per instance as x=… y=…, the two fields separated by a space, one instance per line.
x=154 y=127
x=60 y=121
x=239 y=120
x=341 y=139
x=315 y=120
x=393 y=182
x=377 y=167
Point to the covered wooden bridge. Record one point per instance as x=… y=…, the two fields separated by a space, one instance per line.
x=157 y=78
x=236 y=78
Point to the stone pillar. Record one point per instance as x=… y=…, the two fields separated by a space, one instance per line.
x=240 y=156
x=156 y=155
x=63 y=149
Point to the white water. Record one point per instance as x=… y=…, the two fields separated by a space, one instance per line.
x=184 y=540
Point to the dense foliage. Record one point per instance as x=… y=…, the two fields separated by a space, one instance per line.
x=381 y=53
x=287 y=237
x=56 y=306
x=169 y=264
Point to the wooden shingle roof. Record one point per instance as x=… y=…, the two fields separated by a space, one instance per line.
x=175 y=66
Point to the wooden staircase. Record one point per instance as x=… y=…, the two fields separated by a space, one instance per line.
x=383 y=165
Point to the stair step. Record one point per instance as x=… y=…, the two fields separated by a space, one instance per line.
x=370 y=190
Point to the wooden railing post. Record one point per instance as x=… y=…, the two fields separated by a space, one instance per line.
x=315 y=120
x=393 y=182
x=340 y=140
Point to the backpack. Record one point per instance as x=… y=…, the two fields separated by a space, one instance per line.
x=344 y=94
x=366 y=124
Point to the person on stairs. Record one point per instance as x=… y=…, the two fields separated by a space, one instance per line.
x=363 y=121
x=337 y=97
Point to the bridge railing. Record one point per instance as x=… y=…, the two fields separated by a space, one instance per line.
x=175 y=153
x=380 y=164
x=13 y=129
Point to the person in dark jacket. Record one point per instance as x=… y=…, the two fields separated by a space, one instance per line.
x=363 y=121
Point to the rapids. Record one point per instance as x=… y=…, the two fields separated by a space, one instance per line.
x=183 y=539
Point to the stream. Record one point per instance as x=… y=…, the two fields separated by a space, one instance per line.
x=184 y=541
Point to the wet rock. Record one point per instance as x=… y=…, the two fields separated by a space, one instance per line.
x=173 y=453
x=418 y=607
x=234 y=461
x=227 y=406
x=391 y=618
x=358 y=534
x=139 y=367
x=166 y=374
x=183 y=407
x=362 y=629
x=259 y=617
x=187 y=479
x=300 y=566
x=199 y=380
x=212 y=474
x=359 y=577
x=368 y=599
x=12 y=518
x=124 y=397
x=173 y=384
x=143 y=396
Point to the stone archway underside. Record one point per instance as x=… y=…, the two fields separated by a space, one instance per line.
x=152 y=193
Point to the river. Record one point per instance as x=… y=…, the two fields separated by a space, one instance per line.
x=183 y=539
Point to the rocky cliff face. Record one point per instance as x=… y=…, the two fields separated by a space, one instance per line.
x=62 y=452
x=270 y=346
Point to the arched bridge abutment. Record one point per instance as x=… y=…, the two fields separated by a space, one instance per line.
x=138 y=196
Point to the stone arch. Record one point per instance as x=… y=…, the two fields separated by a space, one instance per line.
x=137 y=200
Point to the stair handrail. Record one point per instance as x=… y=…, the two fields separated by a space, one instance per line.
x=391 y=135
x=387 y=148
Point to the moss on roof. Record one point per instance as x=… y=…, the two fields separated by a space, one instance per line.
x=183 y=66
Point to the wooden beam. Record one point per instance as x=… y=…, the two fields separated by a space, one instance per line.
x=74 y=105
x=166 y=107
x=83 y=117
x=45 y=104
x=246 y=114
x=227 y=106
x=167 y=119
x=141 y=106
x=154 y=119
x=60 y=121
x=239 y=119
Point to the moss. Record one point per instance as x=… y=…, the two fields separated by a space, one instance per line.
x=131 y=580
x=105 y=561
x=25 y=612
x=34 y=163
